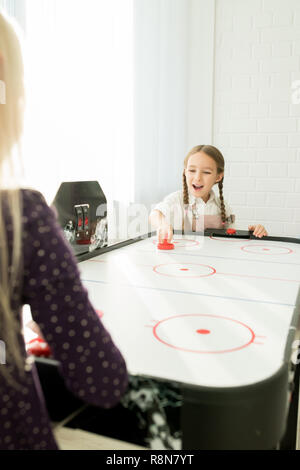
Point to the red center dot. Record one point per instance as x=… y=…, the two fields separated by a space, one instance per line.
x=203 y=332
x=183 y=269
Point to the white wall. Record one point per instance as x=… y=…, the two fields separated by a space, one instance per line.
x=256 y=126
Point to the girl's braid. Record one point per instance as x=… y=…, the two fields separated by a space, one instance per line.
x=223 y=212
x=185 y=197
x=185 y=190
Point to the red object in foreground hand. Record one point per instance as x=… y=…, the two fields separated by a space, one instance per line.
x=38 y=347
x=231 y=231
x=165 y=245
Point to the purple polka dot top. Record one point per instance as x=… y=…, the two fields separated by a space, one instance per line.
x=91 y=364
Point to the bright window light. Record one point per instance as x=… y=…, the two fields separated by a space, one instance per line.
x=79 y=77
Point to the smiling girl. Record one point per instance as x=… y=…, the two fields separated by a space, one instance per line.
x=196 y=207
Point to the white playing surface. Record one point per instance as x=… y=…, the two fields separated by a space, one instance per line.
x=211 y=312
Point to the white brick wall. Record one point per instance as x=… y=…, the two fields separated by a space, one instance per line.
x=256 y=124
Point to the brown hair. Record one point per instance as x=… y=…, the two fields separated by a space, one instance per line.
x=216 y=155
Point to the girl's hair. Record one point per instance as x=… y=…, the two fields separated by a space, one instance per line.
x=11 y=125
x=216 y=155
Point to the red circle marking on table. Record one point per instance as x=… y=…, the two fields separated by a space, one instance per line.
x=203 y=332
x=176 y=275
x=252 y=335
x=288 y=250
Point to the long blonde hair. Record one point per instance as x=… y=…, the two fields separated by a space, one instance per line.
x=11 y=126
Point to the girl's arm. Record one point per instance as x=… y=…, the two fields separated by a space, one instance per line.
x=159 y=222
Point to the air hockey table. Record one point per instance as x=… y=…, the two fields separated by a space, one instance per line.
x=218 y=315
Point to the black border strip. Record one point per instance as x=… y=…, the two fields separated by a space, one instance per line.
x=247 y=235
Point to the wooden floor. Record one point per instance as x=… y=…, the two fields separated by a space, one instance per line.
x=76 y=439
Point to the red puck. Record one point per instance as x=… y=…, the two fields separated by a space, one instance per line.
x=165 y=245
x=38 y=347
x=230 y=231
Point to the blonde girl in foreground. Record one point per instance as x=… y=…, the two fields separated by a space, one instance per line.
x=38 y=268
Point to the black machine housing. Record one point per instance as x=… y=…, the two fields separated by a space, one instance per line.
x=81 y=208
